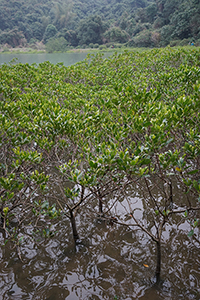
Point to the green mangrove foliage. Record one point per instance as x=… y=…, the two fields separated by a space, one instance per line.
x=96 y=136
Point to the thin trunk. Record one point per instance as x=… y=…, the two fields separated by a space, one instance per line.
x=1 y=213
x=100 y=207
x=158 y=264
x=73 y=223
x=171 y=197
x=100 y=201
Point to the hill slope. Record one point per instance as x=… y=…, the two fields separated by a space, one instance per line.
x=83 y=22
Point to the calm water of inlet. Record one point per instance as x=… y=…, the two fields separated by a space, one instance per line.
x=66 y=58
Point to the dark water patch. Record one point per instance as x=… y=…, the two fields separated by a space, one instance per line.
x=110 y=262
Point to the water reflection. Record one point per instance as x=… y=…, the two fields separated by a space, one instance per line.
x=108 y=266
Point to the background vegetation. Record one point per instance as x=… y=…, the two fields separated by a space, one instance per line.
x=140 y=23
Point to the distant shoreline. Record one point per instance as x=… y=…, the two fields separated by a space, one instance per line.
x=28 y=50
x=33 y=51
x=25 y=50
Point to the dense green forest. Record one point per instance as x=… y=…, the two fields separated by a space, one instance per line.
x=70 y=23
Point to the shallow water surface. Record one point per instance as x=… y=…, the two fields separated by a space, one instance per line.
x=108 y=264
x=66 y=58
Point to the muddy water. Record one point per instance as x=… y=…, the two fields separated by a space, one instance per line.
x=109 y=264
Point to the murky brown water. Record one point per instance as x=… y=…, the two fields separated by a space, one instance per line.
x=109 y=264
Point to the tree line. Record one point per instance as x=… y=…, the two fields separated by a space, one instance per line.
x=68 y=23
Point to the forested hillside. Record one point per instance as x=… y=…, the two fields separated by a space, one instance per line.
x=64 y=23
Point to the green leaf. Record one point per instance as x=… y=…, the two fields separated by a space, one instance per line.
x=145 y=161
x=191 y=233
x=5 y=211
x=5 y=242
x=121 y=155
x=21 y=239
x=193 y=172
x=45 y=205
x=196 y=185
x=91 y=163
x=169 y=141
x=10 y=195
x=164 y=213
